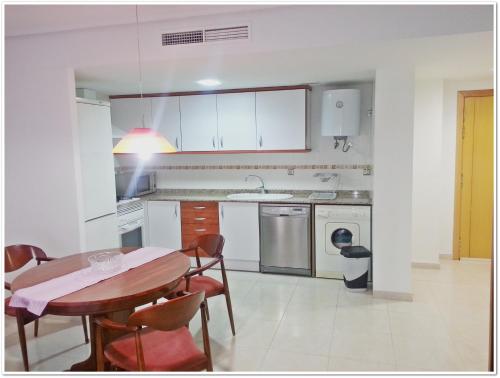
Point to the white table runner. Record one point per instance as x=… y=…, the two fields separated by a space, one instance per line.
x=35 y=298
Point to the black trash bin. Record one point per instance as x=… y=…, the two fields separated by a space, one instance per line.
x=355 y=264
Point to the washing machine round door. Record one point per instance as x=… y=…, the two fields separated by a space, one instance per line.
x=340 y=235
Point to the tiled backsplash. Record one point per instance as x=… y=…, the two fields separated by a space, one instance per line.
x=211 y=167
x=275 y=177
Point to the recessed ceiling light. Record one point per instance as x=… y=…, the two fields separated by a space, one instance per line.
x=209 y=82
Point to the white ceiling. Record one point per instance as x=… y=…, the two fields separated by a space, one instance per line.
x=353 y=42
x=449 y=57
x=34 y=19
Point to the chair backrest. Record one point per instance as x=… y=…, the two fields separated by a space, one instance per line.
x=209 y=245
x=17 y=256
x=169 y=316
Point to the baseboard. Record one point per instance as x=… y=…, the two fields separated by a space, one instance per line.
x=475 y=260
x=230 y=264
x=425 y=265
x=445 y=256
x=393 y=295
x=246 y=265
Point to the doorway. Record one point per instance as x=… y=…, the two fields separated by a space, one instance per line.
x=473 y=224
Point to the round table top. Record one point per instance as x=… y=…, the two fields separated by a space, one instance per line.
x=126 y=290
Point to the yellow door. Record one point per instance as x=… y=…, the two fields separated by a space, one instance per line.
x=476 y=218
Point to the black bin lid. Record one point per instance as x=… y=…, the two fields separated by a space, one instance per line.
x=355 y=252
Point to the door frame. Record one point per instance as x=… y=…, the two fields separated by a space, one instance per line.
x=462 y=95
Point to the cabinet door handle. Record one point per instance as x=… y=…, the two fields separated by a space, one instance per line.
x=222 y=211
x=175 y=211
x=213 y=142
x=176 y=142
x=199 y=207
x=200 y=229
x=199 y=219
x=221 y=143
x=260 y=141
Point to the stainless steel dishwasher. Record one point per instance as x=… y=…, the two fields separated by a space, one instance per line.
x=285 y=239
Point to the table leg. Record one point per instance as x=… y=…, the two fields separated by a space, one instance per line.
x=90 y=364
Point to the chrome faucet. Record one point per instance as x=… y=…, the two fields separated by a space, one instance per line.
x=261 y=187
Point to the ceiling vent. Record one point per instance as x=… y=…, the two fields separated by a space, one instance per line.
x=223 y=34
x=182 y=38
x=207 y=35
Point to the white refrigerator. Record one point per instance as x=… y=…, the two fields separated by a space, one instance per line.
x=97 y=175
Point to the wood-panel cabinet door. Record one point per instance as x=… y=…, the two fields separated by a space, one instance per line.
x=239 y=224
x=236 y=121
x=129 y=113
x=164 y=224
x=198 y=218
x=166 y=118
x=281 y=119
x=199 y=123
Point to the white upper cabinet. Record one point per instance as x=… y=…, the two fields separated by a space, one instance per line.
x=199 y=123
x=244 y=121
x=167 y=119
x=281 y=120
x=236 y=121
x=129 y=113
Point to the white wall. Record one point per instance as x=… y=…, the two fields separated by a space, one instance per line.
x=447 y=174
x=427 y=155
x=322 y=152
x=41 y=191
x=392 y=180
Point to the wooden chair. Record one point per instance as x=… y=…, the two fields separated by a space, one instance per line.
x=165 y=345
x=210 y=245
x=17 y=256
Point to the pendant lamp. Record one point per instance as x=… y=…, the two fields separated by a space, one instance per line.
x=142 y=141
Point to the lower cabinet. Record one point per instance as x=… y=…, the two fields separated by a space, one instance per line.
x=198 y=218
x=163 y=224
x=239 y=224
x=174 y=224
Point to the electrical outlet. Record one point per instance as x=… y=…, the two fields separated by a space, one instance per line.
x=367 y=171
x=291 y=172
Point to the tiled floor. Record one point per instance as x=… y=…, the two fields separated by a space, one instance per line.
x=287 y=323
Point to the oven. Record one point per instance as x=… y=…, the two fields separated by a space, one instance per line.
x=131 y=223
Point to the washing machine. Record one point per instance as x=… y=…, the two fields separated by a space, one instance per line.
x=338 y=226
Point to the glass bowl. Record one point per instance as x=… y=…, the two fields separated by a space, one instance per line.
x=106 y=262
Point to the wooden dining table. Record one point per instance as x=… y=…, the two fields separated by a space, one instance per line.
x=115 y=297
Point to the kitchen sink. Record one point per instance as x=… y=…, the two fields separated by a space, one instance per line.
x=259 y=196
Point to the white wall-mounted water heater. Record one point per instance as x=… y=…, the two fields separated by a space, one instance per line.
x=341 y=110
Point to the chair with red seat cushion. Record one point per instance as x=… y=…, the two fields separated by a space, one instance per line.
x=17 y=256
x=164 y=345
x=209 y=245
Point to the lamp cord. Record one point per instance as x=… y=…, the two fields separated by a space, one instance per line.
x=139 y=61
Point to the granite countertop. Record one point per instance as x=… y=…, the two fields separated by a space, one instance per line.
x=344 y=197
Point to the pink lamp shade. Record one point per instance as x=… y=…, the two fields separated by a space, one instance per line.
x=144 y=142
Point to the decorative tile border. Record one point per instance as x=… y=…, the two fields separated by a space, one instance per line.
x=213 y=167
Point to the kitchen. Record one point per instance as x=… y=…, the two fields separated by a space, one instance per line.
x=326 y=191
x=161 y=229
